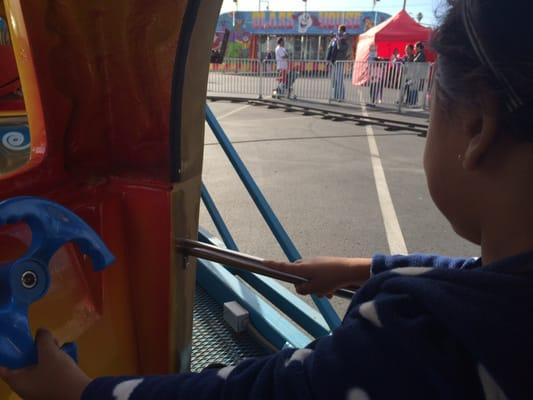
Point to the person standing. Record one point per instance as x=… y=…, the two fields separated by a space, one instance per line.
x=420 y=56
x=375 y=72
x=282 y=64
x=338 y=51
x=409 y=91
x=419 y=72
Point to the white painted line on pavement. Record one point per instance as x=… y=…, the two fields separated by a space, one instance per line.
x=261 y=120
x=233 y=112
x=390 y=219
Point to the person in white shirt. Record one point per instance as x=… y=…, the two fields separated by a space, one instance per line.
x=282 y=64
x=282 y=56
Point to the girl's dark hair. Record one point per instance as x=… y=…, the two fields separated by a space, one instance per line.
x=506 y=34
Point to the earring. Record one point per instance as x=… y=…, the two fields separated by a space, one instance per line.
x=459 y=157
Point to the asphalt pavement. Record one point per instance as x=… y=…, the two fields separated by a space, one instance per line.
x=319 y=177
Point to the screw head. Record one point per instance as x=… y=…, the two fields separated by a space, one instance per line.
x=29 y=279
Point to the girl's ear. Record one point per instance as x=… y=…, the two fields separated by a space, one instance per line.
x=482 y=130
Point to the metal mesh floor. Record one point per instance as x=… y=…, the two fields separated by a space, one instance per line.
x=213 y=341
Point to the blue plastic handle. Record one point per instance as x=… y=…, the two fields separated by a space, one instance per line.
x=26 y=280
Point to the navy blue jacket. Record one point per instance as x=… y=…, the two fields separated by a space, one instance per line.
x=423 y=327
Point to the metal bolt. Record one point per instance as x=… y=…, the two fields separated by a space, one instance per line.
x=29 y=279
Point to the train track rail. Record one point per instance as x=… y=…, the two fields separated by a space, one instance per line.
x=389 y=124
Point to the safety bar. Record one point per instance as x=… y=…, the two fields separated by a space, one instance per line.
x=243 y=261
x=277 y=294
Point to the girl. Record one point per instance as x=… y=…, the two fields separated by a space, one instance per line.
x=422 y=327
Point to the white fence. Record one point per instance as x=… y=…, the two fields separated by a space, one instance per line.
x=376 y=83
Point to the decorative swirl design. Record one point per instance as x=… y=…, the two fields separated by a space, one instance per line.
x=15 y=141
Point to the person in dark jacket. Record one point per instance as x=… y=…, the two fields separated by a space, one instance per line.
x=338 y=51
x=409 y=94
x=420 y=71
x=420 y=56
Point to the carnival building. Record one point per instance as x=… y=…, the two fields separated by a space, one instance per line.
x=307 y=34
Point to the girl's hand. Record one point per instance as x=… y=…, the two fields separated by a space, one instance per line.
x=326 y=274
x=56 y=376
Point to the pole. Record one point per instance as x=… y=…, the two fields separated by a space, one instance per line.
x=303 y=54
x=404 y=4
x=259 y=12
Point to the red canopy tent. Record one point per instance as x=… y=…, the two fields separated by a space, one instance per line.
x=394 y=33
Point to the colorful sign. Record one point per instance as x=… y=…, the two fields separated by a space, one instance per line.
x=292 y=23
